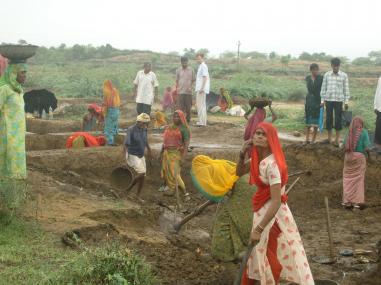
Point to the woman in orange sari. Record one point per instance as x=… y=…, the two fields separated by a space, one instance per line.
x=278 y=253
x=111 y=104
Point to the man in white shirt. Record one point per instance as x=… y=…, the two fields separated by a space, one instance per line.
x=145 y=89
x=377 y=110
x=202 y=89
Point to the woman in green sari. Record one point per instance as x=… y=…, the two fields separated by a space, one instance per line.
x=12 y=136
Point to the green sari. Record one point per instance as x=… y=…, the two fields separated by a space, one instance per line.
x=12 y=138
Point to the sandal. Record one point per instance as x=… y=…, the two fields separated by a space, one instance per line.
x=326 y=141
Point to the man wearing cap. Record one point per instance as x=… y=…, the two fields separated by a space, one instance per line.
x=134 y=146
x=185 y=78
x=145 y=89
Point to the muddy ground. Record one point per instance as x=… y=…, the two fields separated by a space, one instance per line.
x=71 y=191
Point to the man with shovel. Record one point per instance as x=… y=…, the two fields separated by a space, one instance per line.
x=134 y=147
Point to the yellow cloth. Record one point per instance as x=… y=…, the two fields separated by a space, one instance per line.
x=111 y=98
x=213 y=177
x=79 y=142
x=171 y=169
x=160 y=120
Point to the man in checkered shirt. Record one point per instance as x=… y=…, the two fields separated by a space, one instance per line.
x=334 y=92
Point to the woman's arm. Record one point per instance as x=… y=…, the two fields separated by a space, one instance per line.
x=275 y=203
x=243 y=167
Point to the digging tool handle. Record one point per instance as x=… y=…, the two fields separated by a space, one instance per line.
x=329 y=228
x=195 y=213
x=238 y=278
x=292 y=185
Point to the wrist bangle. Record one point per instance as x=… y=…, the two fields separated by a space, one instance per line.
x=258 y=230
x=260 y=227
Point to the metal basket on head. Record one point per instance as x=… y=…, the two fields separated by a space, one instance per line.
x=122 y=177
x=260 y=102
x=18 y=53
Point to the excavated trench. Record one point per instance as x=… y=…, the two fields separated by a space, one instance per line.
x=84 y=180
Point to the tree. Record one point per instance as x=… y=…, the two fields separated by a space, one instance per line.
x=22 y=42
x=204 y=51
x=273 y=55
x=253 y=54
x=190 y=52
x=362 y=61
x=285 y=59
x=305 y=56
x=228 y=54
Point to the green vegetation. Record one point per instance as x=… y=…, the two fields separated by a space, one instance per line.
x=30 y=256
x=79 y=72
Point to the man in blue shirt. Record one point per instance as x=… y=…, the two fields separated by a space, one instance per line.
x=135 y=144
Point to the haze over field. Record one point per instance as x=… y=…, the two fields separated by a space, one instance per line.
x=349 y=28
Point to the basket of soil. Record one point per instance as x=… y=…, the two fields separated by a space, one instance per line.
x=260 y=102
x=122 y=177
x=18 y=53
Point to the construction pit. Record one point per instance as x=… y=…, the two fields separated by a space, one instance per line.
x=70 y=190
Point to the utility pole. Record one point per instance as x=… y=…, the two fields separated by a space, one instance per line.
x=238 y=44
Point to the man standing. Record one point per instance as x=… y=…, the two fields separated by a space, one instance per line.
x=145 y=85
x=135 y=143
x=334 y=92
x=202 y=89
x=377 y=110
x=185 y=79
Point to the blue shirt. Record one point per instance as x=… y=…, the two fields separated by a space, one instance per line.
x=136 y=140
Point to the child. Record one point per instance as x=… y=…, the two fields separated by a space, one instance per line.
x=167 y=100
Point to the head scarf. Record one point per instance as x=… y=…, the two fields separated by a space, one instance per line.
x=276 y=149
x=355 y=130
x=144 y=118
x=263 y=194
x=94 y=107
x=10 y=75
x=183 y=119
x=110 y=94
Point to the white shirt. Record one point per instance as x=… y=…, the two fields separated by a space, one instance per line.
x=146 y=84
x=377 y=97
x=201 y=72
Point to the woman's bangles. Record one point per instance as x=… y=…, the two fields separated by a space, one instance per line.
x=259 y=229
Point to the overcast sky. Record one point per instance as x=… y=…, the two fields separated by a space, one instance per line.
x=339 y=27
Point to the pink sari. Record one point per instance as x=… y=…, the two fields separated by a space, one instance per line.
x=353 y=178
x=258 y=117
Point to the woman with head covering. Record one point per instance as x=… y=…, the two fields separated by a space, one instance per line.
x=258 y=116
x=12 y=135
x=279 y=252
x=111 y=104
x=174 y=150
x=93 y=119
x=356 y=145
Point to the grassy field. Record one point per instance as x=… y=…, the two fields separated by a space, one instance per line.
x=84 y=79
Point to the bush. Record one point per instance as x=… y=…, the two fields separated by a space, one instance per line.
x=297 y=95
x=111 y=265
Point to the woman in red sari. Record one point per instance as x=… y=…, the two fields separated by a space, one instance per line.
x=279 y=252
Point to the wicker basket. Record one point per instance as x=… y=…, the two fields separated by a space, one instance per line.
x=18 y=53
x=122 y=177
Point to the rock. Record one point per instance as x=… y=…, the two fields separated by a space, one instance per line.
x=297 y=134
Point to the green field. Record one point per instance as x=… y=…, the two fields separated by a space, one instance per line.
x=83 y=79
